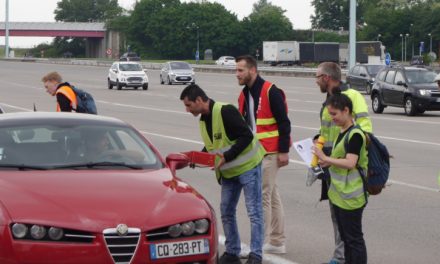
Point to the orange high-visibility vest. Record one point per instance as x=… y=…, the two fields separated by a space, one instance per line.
x=267 y=127
x=67 y=92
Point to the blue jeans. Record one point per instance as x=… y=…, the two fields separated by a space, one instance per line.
x=250 y=182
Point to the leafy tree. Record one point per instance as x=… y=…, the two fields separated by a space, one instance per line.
x=87 y=10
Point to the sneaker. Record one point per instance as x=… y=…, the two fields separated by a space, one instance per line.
x=227 y=258
x=254 y=259
x=334 y=261
x=271 y=249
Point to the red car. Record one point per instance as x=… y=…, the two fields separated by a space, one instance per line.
x=78 y=188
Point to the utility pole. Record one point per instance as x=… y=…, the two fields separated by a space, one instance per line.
x=352 y=44
x=7 y=30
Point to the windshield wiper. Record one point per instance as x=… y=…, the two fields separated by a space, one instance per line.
x=99 y=164
x=23 y=167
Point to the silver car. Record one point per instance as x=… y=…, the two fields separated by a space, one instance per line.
x=177 y=72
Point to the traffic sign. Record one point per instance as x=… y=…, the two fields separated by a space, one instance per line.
x=109 y=51
x=387 y=58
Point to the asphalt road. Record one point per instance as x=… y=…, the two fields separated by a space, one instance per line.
x=401 y=225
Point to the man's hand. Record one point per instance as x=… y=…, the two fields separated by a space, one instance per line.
x=221 y=162
x=283 y=159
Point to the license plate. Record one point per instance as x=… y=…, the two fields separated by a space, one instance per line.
x=181 y=248
x=184 y=78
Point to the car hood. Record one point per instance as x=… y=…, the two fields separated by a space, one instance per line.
x=425 y=86
x=93 y=200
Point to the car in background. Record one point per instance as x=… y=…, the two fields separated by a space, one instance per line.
x=226 y=60
x=60 y=203
x=417 y=60
x=412 y=88
x=127 y=74
x=361 y=77
x=177 y=72
x=130 y=56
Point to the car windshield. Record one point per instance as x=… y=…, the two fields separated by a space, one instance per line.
x=75 y=147
x=130 y=67
x=420 y=76
x=180 y=66
x=374 y=69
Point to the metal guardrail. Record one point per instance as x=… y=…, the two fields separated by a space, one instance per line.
x=264 y=70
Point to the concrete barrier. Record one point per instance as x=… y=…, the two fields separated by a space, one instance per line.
x=264 y=70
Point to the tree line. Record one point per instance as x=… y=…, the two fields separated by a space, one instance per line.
x=170 y=29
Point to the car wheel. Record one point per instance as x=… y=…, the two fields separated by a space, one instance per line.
x=410 y=108
x=110 y=85
x=169 y=81
x=145 y=86
x=161 y=80
x=135 y=87
x=118 y=85
x=368 y=89
x=376 y=104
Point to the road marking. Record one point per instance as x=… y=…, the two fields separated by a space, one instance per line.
x=17 y=107
x=144 y=107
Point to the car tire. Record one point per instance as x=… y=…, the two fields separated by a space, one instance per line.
x=368 y=88
x=109 y=84
x=118 y=85
x=169 y=81
x=135 y=87
x=145 y=86
x=376 y=104
x=161 y=80
x=409 y=106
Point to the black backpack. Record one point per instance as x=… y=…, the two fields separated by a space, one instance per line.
x=85 y=102
x=378 y=163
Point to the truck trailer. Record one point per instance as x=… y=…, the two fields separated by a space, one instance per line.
x=281 y=52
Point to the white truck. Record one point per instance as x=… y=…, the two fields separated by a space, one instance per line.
x=281 y=52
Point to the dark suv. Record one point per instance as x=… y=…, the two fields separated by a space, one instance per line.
x=130 y=56
x=361 y=77
x=412 y=88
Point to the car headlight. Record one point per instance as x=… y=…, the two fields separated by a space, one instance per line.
x=19 y=230
x=425 y=92
x=202 y=226
x=373 y=79
x=38 y=232
x=55 y=233
x=175 y=230
x=188 y=228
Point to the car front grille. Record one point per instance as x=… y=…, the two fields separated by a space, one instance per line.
x=183 y=78
x=122 y=247
x=134 y=79
x=435 y=94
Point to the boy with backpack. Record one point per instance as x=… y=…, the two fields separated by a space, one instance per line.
x=68 y=97
x=347 y=192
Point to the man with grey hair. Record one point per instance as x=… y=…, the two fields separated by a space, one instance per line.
x=328 y=79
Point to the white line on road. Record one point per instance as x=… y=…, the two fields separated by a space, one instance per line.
x=17 y=107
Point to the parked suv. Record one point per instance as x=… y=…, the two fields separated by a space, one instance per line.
x=361 y=77
x=412 y=88
x=127 y=74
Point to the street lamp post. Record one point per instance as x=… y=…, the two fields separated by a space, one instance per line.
x=194 y=25
x=7 y=30
x=412 y=38
x=406 y=37
x=430 y=42
x=378 y=36
x=401 y=35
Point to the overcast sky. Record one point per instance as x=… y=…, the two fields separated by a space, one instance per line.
x=298 y=11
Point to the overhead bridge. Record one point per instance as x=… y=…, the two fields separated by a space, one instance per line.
x=100 y=42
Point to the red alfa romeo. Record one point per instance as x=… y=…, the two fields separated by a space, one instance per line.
x=78 y=188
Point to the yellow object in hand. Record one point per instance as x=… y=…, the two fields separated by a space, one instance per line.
x=319 y=144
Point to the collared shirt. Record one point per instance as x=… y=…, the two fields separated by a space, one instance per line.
x=235 y=128
x=277 y=107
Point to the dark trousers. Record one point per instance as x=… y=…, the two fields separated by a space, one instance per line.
x=350 y=226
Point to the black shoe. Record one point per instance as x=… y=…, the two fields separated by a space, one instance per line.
x=254 y=259
x=227 y=258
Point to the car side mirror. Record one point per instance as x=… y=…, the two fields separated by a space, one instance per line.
x=363 y=75
x=400 y=83
x=177 y=161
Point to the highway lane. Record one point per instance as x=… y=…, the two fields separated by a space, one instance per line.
x=400 y=225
